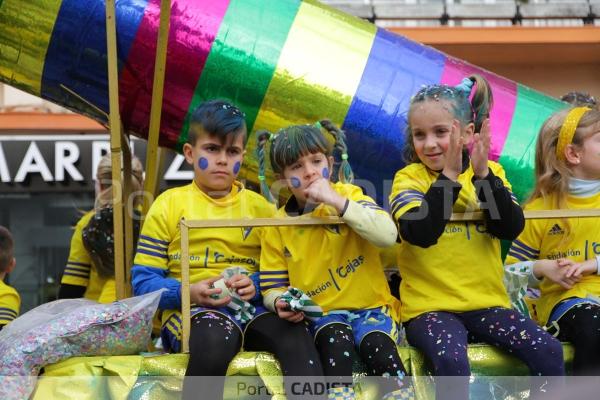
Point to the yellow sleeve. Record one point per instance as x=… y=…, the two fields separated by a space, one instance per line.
x=79 y=263
x=10 y=302
x=274 y=278
x=155 y=237
x=407 y=192
x=369 y=220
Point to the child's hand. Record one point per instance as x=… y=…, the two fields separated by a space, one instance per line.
x=453 y=157
x=579 y=270
x=284 y=312
x=320 y=191
x=200 y=293
x=242 y=285
x=481 y=150
x=555 y=270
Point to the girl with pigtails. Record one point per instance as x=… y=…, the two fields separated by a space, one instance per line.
x=334 y=273
x=452 y=273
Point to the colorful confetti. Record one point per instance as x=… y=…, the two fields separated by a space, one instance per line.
x=44 y=336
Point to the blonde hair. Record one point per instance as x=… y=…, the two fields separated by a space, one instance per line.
x=104 y=176
x=551 y=173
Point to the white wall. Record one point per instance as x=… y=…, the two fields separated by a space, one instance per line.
x=11 y=98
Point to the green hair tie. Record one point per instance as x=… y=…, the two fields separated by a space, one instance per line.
x=344 y=156
x=272 y=137
x=261 y=177
x=318 y=125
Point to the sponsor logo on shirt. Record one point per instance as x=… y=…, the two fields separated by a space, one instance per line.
x=556 y=230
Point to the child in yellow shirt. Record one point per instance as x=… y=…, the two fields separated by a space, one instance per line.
x=9 y=298
x=338 y=267
x=215 y=148
x=561 y=255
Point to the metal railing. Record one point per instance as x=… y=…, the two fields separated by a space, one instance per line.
x=450 y=12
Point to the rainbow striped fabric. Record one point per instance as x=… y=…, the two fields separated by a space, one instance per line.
x=282 y=61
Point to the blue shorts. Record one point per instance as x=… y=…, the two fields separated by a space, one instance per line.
x=170 y=332
x=362 y=322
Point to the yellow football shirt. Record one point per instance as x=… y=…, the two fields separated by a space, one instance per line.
x=336 y=267
x=463 y=271
x=10 y=302
x=80 y=270
x=551 y=239
x=211 y=250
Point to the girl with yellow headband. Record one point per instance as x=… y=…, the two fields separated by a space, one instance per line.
x=561 y=256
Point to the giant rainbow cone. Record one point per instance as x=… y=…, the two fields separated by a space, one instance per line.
x=282 y=61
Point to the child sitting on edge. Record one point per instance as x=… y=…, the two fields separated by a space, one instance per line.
x=338 y=267
x=561 y=255
x=215 y=148
x=9 y=298
x=452 y=273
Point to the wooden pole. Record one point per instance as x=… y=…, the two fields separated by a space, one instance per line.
x=185 y=287
x=185 y=226
x=154 y=155
x=115 y=147
x=128 y=215
x=534 y=214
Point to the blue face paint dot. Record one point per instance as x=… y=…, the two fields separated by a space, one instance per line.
x=325 y=173
x=203 y=163
x=295 y=182
x=236 y=167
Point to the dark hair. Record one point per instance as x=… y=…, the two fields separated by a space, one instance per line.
x=464 y=109
x=99 y=239
x=6 y=248
x=580 y=99
x=293 y=142
x=219 y=118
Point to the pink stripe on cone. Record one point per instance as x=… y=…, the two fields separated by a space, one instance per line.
x=505 y=98
x=193 y=29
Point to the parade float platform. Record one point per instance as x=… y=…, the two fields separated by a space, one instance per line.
x=160 y=376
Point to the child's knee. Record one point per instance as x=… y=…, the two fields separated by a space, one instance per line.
x=447 y=363
x=555 y=349
x=376 y=340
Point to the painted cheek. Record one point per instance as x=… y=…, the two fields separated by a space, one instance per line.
x=202 y=163
x=295 y=182
x=236 y=167
x=325 y=173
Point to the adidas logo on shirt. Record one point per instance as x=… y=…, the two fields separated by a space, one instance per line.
x=286 y=252
x=556 y=230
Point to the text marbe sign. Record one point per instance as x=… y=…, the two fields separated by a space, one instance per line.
x=51 y=163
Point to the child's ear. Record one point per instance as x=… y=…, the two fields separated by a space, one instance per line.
x=330 y=161
x=11 y=265
x=469 y=130
x=572 y=154
x=187 y=153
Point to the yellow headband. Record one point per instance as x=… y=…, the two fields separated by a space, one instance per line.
x=567 y=131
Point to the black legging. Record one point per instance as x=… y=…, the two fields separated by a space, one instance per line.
x=377 y=350
x=215 y=340
x=581 y=326
x=292 y=345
